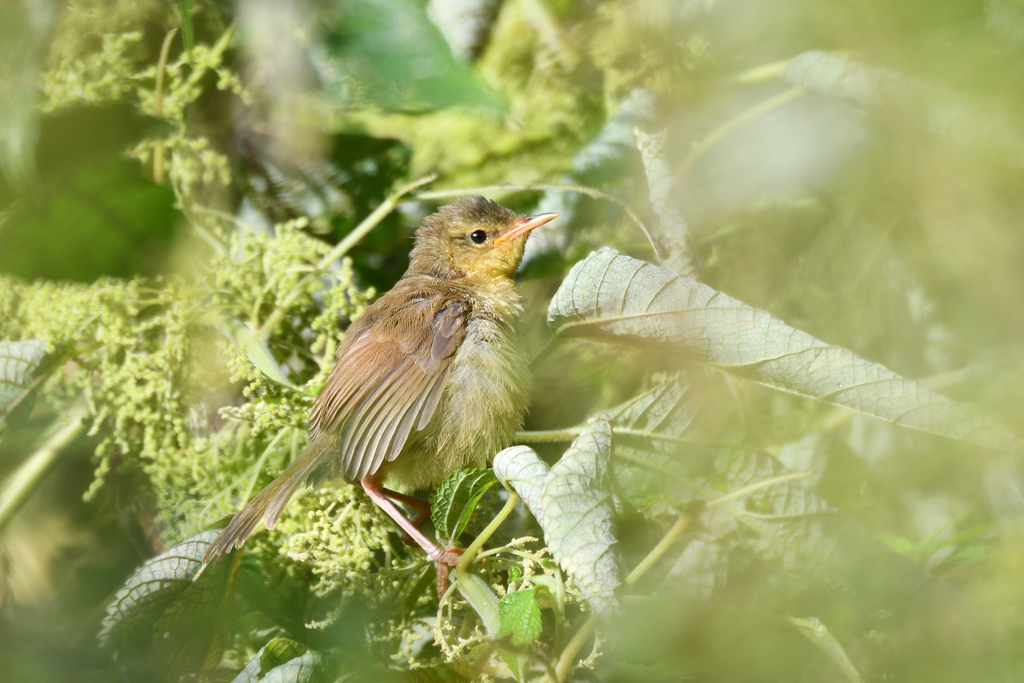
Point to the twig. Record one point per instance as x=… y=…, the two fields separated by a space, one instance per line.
x=26 y=478
x=342 y=248
x=732 y=124
x=158 y=105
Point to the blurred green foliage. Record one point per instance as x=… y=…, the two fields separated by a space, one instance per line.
x=177 y=183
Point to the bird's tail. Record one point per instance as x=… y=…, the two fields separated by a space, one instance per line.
x=271 y=500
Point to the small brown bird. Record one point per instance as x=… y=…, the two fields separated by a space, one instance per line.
x=430 y=379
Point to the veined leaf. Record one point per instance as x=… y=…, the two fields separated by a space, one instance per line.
x=18 y=364
x=520 y=468
x=577 y=517
x=615 y=297
x=307 y=668
x=691 y=406
x=168 y=617
x=520 y=617
x=277 y=652
x=456 y=498
x=572 y=505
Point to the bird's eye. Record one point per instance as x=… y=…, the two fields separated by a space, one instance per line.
x=478 y=236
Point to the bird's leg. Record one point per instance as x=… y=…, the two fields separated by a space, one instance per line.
x=421 y=507
x=378 y=494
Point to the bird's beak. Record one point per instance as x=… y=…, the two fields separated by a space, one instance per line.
x=524 y=226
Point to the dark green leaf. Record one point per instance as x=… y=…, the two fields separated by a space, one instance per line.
x=456 y=498
x=388 y=53
x=168 y=619
x=520 y=617
x=618 y=298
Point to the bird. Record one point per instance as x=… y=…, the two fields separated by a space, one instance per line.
x=430 y=379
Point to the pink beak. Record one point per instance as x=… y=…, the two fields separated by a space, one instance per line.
x=526 y=225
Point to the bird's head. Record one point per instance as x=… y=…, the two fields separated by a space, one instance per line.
x=472 y=238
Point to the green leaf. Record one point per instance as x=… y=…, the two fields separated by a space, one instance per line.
x=621 y=299
x=388 y=53
x=456 y=498
x=815 y=631
x=577 y=518
x=18 y=364
x=169 y=617
x=259 y=355
x=520 y=617
x=276 y=653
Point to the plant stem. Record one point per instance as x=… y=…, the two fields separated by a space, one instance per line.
x=732 y=124
x=568 y=656
x=478 y=542
x=342 y=248
x=158 y=105
x=549 y=436
x=27 y=477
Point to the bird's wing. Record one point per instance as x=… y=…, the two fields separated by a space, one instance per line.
x=389 y=378
x=392 y=369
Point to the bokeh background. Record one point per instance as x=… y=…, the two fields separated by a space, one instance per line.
x=856 y=169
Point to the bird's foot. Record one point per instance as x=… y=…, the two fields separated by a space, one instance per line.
x=448 y=558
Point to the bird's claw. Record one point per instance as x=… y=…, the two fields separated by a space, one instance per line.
x=449 y=558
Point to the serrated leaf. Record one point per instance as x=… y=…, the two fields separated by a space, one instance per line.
x=577 y=518
x=520 y=468
x=276 y=653
x=456 y=498
x=520 y=617
x=168 y=618
x=18 y=363
x=618 y=298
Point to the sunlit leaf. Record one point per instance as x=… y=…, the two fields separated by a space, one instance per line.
x=618 y=298
x=520 y=617
x=456 y=498
x=577 y=518
x=520 y=468
x=18 y=364
x=168 y=619
x=258 y=353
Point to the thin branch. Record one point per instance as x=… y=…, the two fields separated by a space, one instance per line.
x=732 y=124
x=158 y=105
x=27 y=477
x=342 y=248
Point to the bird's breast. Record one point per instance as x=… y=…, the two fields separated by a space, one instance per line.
x=482 y=407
